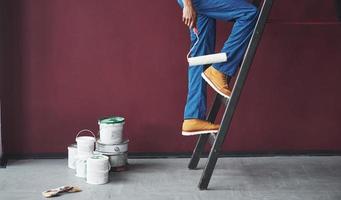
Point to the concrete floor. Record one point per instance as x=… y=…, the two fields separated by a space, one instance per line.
x=267 y=178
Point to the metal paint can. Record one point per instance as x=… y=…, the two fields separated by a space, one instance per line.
x=112 y=148
x=72 y=156
x=111 y=129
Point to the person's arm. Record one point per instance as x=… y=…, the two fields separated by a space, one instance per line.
x=189 y=16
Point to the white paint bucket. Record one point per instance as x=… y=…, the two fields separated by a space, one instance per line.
x=98 y=178
x=111 y=130
x=81 y=166
x=97 y=169
x=112 y=148
x=118 y=161
x=85 y=144
x=98 y=163
x=72 y=156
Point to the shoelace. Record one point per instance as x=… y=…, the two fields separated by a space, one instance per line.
x=211 y=123
x=225 y=80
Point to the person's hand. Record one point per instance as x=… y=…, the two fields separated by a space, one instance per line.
x=189 y=16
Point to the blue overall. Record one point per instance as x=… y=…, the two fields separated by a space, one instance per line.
x=244 y=14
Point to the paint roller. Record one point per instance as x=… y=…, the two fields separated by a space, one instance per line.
x=206 y=59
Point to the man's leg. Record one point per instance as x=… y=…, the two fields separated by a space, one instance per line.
x=245 y=15
x=196 y=99
x=195 y=109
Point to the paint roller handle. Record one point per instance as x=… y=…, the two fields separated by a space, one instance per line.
x=195 y=30
x=85 y=130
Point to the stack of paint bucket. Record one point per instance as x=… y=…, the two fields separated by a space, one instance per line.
x=81 y=157
x=85 y=149
x=111 y=142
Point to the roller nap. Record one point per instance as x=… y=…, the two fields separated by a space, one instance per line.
x=207 y=59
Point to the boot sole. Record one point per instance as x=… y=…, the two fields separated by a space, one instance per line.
x=213 y=86
x=185 y=133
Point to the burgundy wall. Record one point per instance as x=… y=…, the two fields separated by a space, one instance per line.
x=2 y=65
x=70 y=62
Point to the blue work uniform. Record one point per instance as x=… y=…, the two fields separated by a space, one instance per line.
x=244 y=14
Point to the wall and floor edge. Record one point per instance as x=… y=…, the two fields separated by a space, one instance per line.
x=3 y=159
x=152 y=155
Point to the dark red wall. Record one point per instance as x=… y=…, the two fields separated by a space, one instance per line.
x=67 y=63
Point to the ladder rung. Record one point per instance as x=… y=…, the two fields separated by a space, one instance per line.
x=212 y=138
x=226 y=101
x=223 y=100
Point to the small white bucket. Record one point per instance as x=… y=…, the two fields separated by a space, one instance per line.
x=72 y=156
x=98 y=163
x=97 y=169
x=81 y=167
x=116 y=160
x=111 y=130
x=97 y=178
x=85 y=144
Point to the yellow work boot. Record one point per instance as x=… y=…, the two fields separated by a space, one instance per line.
x=217 y=80
x=197 y=127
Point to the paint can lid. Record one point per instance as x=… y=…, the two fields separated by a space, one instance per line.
x=99 y=157
x=98 y=160
x=111 y=120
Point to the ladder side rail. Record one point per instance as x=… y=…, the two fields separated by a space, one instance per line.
x=202 y=139
x=228 y=115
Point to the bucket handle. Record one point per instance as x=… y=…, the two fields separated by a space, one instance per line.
x=85 y=130
x=109 y=166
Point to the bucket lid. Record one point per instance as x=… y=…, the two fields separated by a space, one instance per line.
x=99 y=157
x=111 y=120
